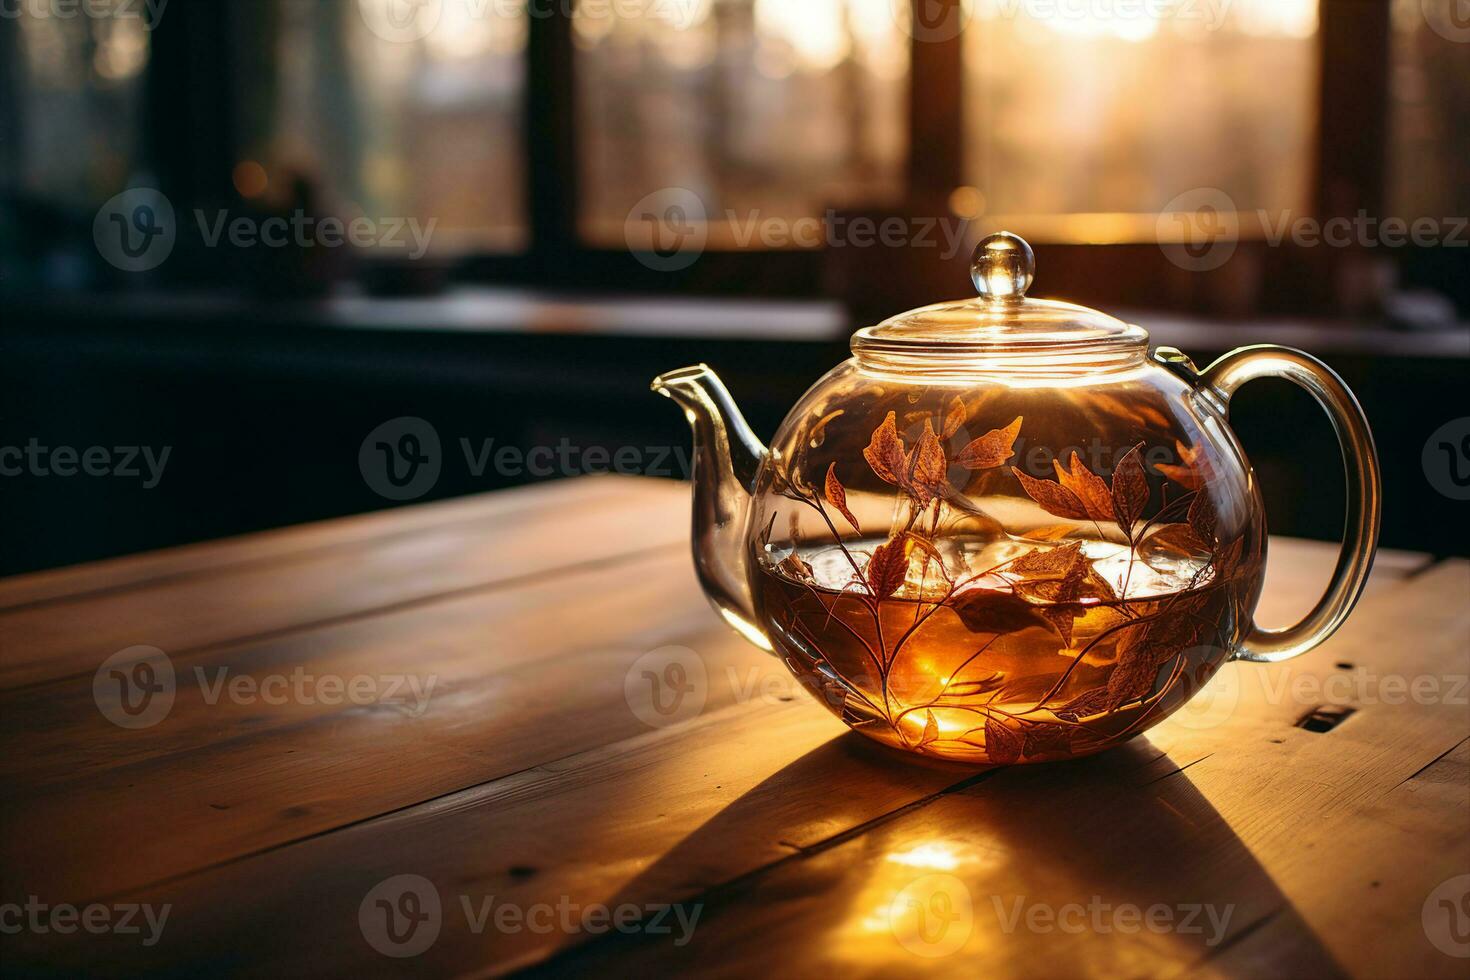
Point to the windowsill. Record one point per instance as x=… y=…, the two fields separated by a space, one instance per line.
x=489 y=310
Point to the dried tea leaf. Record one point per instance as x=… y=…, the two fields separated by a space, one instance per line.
x=1203 y=517
x=794 y=566
x=765 y=537
x=1230 y=562
x=888 y=568
x=931 y=730
x=970 y=689
x=1052 y=532
x=924 y=544
x=1175 y=538
x=1098 y=585
x=927 y=468
x=1061 y=619
x=992 y=449
x=1054 y=498
x=1133 y=677
x=1186 y=475
x=993 y=611
x=837 y=496
x=885 y=452
x=1043 y=739
x=978 y=520
x=1050 y=563
x=927 y=546
x=1130 y=489
x=1002 y=745
x=818 y=433
x=954 y=418
x=1093 y=702
x=1067 y=609
x=1087 y=487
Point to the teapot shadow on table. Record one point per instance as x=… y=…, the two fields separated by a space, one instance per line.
x=1123 y=828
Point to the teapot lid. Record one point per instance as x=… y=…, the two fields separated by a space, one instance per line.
x=1002 y=322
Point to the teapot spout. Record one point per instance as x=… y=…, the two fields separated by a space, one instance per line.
x=727 y=458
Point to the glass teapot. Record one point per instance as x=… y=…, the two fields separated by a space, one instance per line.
x=1003 y=531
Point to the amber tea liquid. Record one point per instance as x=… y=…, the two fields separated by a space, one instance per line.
x=929 y=666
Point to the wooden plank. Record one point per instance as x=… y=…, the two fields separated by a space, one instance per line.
x=182 y=614
x=212 y=556
x=795 y=843
x=1366 y=899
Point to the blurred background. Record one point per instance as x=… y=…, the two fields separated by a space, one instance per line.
x=239 y=236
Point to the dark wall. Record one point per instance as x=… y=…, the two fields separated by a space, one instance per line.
x=264 y=423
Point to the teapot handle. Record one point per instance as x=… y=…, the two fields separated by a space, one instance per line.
x=1364 y=490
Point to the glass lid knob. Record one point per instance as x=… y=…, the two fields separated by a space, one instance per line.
x=1003 y=268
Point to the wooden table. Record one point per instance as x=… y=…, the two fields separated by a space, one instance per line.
x=272 y=806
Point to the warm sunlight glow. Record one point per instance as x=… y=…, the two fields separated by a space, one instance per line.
x=1086 y=19
x=813 y=29
x=938 y=857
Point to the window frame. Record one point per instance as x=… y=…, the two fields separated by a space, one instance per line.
x=192 y=70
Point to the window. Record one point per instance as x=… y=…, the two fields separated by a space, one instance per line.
x=77 y=116
x=392 y=124
x=770 y=108
x=1429 y=91
x=1082 y=126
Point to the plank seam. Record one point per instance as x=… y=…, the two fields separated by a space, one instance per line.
x=611 y=561
x=285 y=558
